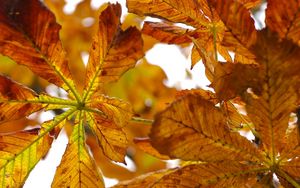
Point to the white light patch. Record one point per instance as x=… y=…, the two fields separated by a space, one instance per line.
x=95 y=4
x=248 y=134
x=46 y=116
x=184 y=26
x=260 y=17
x=199 y=78
x=130 y=164
x=172 y=61
x=84 y=57
x=150 y=19
x=109 y=182
x=173 y=163
x=70 y=6
x=88 y=21
x=43 y=173
x=55 y=91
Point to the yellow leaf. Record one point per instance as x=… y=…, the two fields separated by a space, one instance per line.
x=194 y=129
x=77 y=168
x=19 y=153
x=30 y=29
x=219 y=174
x=108 y=125
x=200 y=175
x=145 y=180
x=14 y=100
x=113 y=51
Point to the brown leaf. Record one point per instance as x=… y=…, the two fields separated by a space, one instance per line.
x=30 y=29
x=283 y=18
x=250 y=3
x=291 y=147
x=233 y=79
x=270 y=111
x=240 y=34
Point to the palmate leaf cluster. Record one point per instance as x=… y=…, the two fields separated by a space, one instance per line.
x=30 y=37
x=201 y=128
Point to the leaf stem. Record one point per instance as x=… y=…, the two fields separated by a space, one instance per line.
x=214 y=30
x=133 y=119
x=142 y=120
x=41 y=101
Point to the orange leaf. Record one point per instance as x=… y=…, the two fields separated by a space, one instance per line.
x=242 y=33
x=29 y=28
x=167 y=32
x=270 y=111
x=108 y=125
x=194 y=129
x=77 y=168
x=113 y=51
x=172 y=10
x=13 y=100
x=231 y=80
x=145 y=145
x=292 y=168
x=250 y=3
x=199 y=175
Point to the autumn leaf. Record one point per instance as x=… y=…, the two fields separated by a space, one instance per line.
x=31 y=37
x=286 y=19
x=20 y=152
x=108 y=127
x=38 y=44
x=84 y=172
x=262 y=79
x=13 y=100
x=207 y=134
x=210 y=26
x=145 y=145
x=113 y=50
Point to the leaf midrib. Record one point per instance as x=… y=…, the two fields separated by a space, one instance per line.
x=46 y=59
